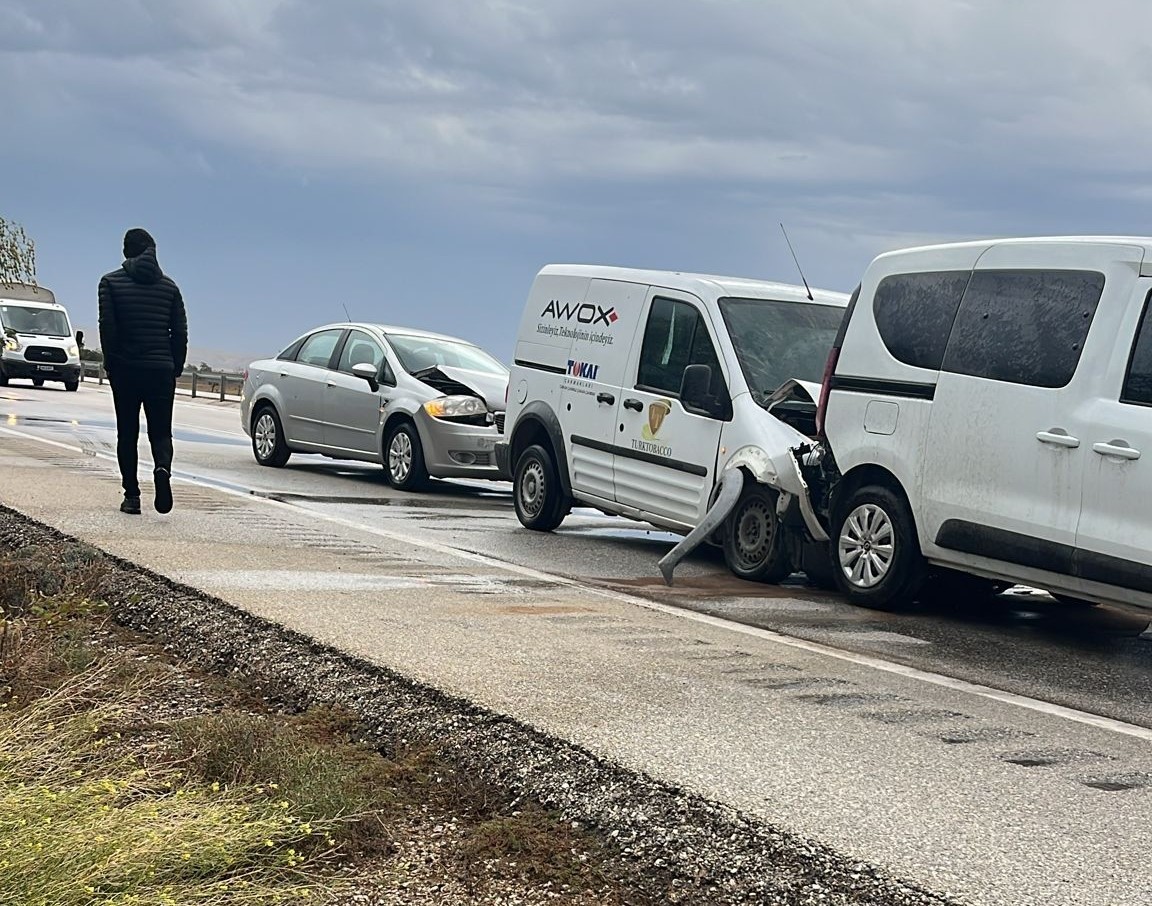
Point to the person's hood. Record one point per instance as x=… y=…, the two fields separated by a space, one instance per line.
x=144 y=268
x=490 y=387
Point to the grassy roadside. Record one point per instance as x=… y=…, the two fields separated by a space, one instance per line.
x=128 y=777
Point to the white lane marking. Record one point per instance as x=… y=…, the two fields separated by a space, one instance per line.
x=852 y=657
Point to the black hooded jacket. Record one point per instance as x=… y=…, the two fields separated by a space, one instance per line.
x=142 y=319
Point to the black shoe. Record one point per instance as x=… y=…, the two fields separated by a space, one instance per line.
x=163 y=479
x=131 y=505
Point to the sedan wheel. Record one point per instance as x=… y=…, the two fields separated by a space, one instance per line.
x=404 y=458
x=268 y=444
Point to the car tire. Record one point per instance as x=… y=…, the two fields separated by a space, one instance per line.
x=876 y=552
x=540 y=502
x=71 y=386
x=754 y=547
x=268 y=443
x=37 y=382
x=404 y=458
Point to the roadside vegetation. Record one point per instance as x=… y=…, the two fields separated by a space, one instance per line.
x=127 y=777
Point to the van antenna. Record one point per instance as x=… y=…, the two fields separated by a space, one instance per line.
x=346 y=315
x=797 y=260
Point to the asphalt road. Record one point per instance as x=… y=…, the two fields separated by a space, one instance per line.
x=1002 y=800
x=1089 y=658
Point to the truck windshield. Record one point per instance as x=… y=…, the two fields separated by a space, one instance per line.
x=776 y=341
x=45 y=322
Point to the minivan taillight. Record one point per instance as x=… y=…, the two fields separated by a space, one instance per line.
x=825 y=387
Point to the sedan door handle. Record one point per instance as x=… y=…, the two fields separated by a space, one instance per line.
x=635 y=405
x=1120 y=451
x=605 y=398
x=1058 y=438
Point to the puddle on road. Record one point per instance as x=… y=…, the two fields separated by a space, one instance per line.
x=305 y=580
x=73 y=427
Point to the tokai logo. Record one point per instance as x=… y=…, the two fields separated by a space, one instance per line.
x=585 y=313
x=585 y=370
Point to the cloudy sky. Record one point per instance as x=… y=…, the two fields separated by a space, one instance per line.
x=419 y=161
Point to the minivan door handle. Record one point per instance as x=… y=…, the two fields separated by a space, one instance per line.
x=605 y=398
x=1057 y=437
x=1118 y=449
x=635 y=405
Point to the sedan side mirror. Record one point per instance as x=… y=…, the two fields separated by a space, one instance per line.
x=369 y=373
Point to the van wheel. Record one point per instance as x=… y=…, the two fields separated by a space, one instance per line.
x=268 y=444
x=404 y=458
x=71 y=386
x=3 y=379
x=536 y=492
x=37 y=382
x=876 y=552
x=754 y=547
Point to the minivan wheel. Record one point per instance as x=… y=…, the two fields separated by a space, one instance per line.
x=536 y=492
x=754 y=547
x=268 y=444
x=404 y=458
x=875 y=549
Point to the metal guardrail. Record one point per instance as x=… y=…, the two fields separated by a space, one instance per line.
x=220 y=385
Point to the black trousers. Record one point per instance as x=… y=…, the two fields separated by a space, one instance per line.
x=153 y=389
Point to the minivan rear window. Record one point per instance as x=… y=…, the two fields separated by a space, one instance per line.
x=1024 y=326
x=914 y=314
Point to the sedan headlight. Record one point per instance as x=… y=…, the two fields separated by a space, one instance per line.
x=456 y=407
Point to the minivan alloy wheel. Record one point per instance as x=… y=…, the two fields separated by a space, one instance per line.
x=866 y=546
x=264 y=434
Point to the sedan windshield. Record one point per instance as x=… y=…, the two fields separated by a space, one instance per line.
x=45 y=322
x=418 y=354
x=778 y=341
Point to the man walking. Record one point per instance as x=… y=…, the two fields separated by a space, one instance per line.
x=144 y=338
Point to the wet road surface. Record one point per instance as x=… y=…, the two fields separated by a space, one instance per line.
x=1088 y=658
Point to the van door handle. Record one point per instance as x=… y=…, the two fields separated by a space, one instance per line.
x=1058 y=438
x=635 y=405
x=605 y=398
x=1117 y=449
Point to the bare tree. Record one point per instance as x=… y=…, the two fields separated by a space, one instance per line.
x=17 y=255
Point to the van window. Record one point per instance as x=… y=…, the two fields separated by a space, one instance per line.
x=45 y=322
x=776 y=341
x=674 y=338
x=914 y=314
x=1024 y=326
x=1138 y=380
x=317 y=349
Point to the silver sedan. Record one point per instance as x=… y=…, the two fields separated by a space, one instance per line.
x=419 y=403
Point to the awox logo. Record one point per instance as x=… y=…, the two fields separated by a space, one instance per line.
x=587 y=313
x=585 y=370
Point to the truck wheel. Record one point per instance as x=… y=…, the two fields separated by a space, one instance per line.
x=876 y=551
x=536 y=491
x=404 y=458
x=268 y=444
x=754 y=547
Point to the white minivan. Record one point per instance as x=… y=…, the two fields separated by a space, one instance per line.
x=634 y=391
x=987 y=408
x=38 y=342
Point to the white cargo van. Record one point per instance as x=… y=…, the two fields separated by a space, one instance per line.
x=38 y=340
x=634 y=391
x=988 y=408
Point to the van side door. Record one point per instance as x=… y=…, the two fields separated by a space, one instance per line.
x=1004 y=459
x=602 y=330
x=1114 y=538
x=665 y=462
